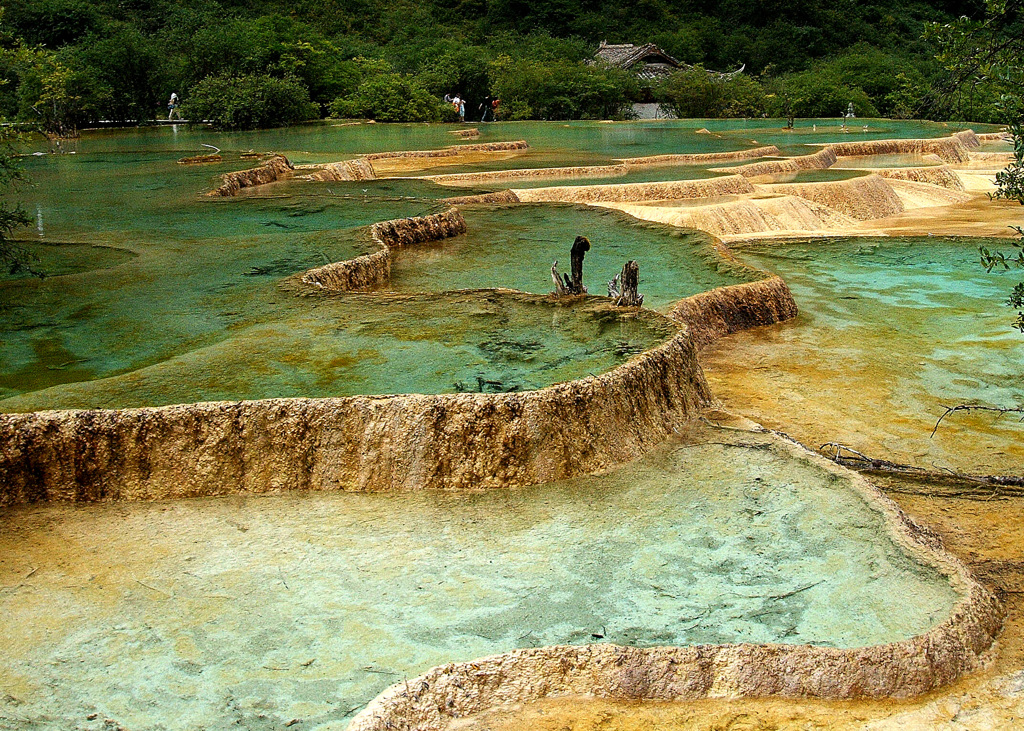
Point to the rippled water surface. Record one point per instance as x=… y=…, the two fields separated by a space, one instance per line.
x=891 y=332
x=254 y=611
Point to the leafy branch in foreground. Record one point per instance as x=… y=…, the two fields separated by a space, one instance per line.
x=988 y=52
x=13 y=257
x=1010 y=186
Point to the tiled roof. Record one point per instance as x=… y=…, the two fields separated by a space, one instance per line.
x=627 y=55
x=649 y=61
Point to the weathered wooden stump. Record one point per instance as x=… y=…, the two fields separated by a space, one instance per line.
x=629 y=278
x=572 y=285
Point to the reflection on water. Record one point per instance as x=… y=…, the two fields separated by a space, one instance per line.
x=209 y=612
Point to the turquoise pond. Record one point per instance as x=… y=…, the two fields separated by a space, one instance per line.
x=892 y=330
x=162 y=295
x=156 y=284
x=250 y=612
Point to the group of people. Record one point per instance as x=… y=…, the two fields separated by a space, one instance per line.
x=488 y=108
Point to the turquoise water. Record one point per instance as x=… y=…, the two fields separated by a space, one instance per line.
x=578 y=143
x=515 y=247
x=892 y=331
x=930 y=293
x=59 y=259
x=364 y=344
x=152 y=274
x=154 y=281
x=255 y=611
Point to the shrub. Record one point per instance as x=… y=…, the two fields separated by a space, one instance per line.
x=816 y=94
x=556 y=89
x=130 y=69
x=53 y=93
x=248 y=102
x=390 y=97
x=696 y=93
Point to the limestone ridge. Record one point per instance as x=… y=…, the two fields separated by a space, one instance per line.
x=952 y=149
x=821 y=160
x=701 y=157
x=357 y=169
x=674 y=190
x=623 y=167
x=725 y=310
x=861 y=199
x=361 y=168
x=374 y=269
x=366 y=443
x=940 y=175
x=274 y=169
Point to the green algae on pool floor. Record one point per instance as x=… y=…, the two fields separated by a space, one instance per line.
x=376 y=344
x=891 y=331
x=254 y=611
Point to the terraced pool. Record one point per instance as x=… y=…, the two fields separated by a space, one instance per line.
x=256 y=611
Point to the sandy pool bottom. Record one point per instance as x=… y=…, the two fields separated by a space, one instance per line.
x=983 y=531
x=255 y=611
x=891 y=332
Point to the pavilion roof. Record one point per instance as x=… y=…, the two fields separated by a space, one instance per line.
x=627 y=55
x=648 y=61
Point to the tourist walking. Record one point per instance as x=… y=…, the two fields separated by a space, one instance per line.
x=172 y=107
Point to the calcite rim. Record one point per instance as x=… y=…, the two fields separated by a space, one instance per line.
x=900 y=669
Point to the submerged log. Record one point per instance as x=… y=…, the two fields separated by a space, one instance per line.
x=564 y=284
x=199 y=159
x=629 y=280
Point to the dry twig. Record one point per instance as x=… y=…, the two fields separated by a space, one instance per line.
x=977 y=407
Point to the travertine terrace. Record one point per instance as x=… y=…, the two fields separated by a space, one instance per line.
x=443 y=694
x=459 y=441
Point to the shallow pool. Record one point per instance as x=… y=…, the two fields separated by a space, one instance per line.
x=159 y=295
x=890 y=332
x=364 y=344
x=515 y=246
x=255 y=611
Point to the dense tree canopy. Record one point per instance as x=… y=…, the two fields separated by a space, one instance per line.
x=71 y=62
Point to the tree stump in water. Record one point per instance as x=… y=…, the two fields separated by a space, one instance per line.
x=573 y=285
x=630 y=280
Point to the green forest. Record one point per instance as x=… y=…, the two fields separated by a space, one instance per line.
x=66 y=64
